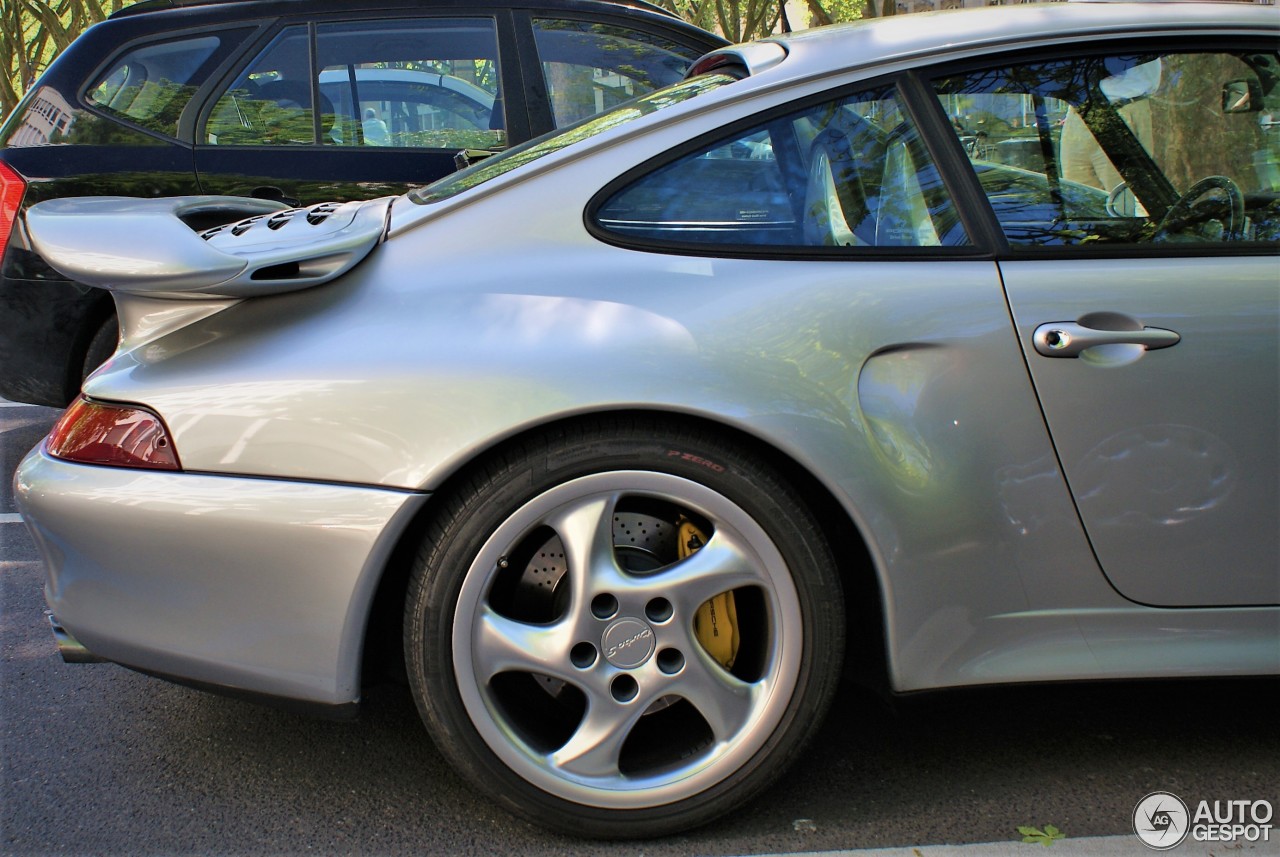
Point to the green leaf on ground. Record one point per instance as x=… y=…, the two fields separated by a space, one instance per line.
x=1046 y=837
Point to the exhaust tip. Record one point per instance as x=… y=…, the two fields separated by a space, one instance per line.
x=71 y=649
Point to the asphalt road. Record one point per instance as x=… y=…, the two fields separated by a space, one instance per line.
x=100 y=760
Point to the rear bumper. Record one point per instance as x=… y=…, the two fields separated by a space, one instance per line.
x=249 y=585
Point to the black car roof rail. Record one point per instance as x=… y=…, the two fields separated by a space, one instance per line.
x=141 y=6
x=144 y=6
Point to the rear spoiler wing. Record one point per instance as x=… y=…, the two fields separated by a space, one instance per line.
x=740 y=61
x=152 y=247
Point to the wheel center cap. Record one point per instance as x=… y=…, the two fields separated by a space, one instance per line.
x=628 y=643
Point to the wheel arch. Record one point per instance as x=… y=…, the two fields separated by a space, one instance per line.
x=866 y=653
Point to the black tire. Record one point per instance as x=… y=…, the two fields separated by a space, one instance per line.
x=101 y=346
x=551 y=583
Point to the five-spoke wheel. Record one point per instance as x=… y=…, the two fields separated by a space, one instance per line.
x=629 y=642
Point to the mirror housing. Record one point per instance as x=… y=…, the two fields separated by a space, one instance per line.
x=1242 y=96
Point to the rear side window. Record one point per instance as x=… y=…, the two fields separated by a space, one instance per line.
x=151 y=85
x=848 y=173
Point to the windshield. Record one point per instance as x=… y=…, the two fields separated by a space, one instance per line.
x=555 y=141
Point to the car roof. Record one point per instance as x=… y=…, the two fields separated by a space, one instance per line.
x=254 y=6
x=955 y=33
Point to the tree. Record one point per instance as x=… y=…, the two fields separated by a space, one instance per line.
x=736 y=20
x=32 y=32
x=743 y=20
x=823 y=12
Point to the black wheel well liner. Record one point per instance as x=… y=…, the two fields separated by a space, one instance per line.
x=866 y=660
x=100 y=311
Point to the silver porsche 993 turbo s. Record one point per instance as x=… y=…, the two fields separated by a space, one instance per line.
x=942 y=347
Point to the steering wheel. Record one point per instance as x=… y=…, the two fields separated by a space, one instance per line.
x=1194 y=208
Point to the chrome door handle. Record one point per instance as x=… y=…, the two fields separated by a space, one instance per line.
x=1068 y=339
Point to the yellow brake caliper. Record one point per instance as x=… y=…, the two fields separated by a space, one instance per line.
x=716 y=622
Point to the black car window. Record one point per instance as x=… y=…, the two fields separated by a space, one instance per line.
x=152 y=84
x=420 y=83
x=270 y=103
x=1175 y=148
x=590 y=67
x=848 y=173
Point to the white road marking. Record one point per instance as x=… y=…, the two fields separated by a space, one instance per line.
x=1085 y=846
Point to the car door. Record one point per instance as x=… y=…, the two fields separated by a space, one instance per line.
x=1143 y=224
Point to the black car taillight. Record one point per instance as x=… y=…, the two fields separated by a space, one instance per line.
x=116 y=435
x=12 y=187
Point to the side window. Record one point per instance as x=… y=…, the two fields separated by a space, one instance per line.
x=846 y=173
x=1177 y=148
x=422 y=83
x=589 y=68
x=417 y=83
x=151 y=85
x=270 y=102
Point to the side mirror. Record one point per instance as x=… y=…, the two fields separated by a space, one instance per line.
x=1242 y=96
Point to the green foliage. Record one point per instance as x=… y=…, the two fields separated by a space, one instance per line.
x=742 y=20
x=1046 y=837
x=33 y=32
x=736 y=20
x=839 y=11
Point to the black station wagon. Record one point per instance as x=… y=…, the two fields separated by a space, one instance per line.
x=296 y=101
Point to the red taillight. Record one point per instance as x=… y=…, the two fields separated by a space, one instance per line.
x=117 y=435
x=12 y=187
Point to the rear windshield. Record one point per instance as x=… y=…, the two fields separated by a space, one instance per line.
x=539 y=147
